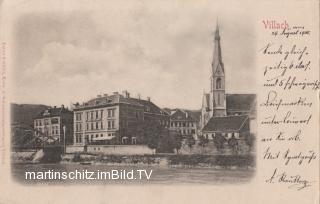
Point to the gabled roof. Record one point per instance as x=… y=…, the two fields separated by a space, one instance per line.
x=240 y=102
x=149 y=107
x=180 y=114
x=111 y=99
x=225 y=123
x=195 y=114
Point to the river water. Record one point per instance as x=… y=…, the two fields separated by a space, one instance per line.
x=160 y=175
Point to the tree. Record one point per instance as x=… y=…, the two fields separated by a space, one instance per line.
x=219 y=141
x=249 y=139
x=151 y=134
x=233 y=143
x=190 y=142
x=176 y=139
x=203 y=141
x=160 y=139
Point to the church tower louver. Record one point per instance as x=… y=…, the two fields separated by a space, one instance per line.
x=214 y=103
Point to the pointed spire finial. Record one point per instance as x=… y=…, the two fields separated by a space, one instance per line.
x=217 y=35
x=217 y=24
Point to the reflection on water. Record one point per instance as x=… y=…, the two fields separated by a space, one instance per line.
x=160 y=175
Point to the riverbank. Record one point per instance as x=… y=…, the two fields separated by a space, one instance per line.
x=160 y=175
x=162 y=160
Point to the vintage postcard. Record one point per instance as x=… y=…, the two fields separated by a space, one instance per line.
x=159 y=101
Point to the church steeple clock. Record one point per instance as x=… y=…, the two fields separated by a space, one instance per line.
x=217 y=93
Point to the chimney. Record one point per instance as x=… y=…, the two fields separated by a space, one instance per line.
x=139 y=97
x=54 y=106
x=148 y=98
x=126 y=94
x=62 y=106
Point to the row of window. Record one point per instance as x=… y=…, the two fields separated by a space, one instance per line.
x=55 y=130
x=99 y=125
x=38 y=130
x=187 y=131
x=95 y=126
x=89 y=138
x=227 y=135
x=78 y=127
x=78 y=138
x=182 y=124
x=96 y=115
x=46 y=121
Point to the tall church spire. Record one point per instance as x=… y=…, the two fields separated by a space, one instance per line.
x=217 y=56
x=218 y=99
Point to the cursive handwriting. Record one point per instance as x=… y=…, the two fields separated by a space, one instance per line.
x=294 y=181
x=272 y=100
x=287 y=119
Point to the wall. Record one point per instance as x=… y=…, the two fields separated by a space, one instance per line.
x=210 y=148
x=74 y=149
x=113 y=149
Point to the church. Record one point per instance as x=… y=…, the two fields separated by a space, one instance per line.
x=230 y=115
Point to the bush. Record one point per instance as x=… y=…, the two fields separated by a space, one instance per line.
x=76 y=158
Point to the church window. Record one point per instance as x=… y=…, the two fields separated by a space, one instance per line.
x=218 y=83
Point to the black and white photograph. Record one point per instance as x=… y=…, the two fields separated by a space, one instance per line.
x=151 y=101
x=162 y=92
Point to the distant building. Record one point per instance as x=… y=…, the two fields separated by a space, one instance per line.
x=185 y=122
x=114 y=119
x=223 y=113
x=51 y=123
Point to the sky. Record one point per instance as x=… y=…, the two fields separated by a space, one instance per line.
x=162 y=51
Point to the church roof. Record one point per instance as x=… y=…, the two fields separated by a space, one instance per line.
x=206 y=100
x=240 y=102
x=225 y=123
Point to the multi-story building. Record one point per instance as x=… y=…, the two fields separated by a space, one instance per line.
x=185 y=121
x=114 y=119
x=53 y=123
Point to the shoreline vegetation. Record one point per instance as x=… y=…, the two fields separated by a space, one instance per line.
x=156 y=160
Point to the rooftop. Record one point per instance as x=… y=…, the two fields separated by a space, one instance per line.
x=116 y=98
x=183 y=114
x=225 y=123
x=244 y=102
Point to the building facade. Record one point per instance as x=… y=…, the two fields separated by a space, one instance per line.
x=114 y=119
x=185 y=122
x=52 y=124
